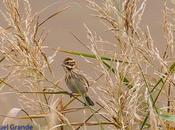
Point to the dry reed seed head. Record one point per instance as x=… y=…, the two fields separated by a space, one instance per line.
x=69 y=63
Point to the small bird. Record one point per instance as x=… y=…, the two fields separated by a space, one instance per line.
x=76 y=82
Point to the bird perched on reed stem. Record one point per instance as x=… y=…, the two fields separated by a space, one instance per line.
x=76 y=82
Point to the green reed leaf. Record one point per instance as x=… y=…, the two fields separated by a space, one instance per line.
x=91 y=56
x=172 y=68
x=167 y=117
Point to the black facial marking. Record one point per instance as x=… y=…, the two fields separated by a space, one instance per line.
x=69 y=63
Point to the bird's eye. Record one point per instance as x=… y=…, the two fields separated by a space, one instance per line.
x=71 y=63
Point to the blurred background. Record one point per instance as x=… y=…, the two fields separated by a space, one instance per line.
x=72 y=20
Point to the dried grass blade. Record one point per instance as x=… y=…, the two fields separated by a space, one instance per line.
x=53 y=15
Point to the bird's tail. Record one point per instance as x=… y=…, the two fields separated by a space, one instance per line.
x=89 y=101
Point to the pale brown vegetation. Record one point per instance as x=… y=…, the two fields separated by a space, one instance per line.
x=134 y=77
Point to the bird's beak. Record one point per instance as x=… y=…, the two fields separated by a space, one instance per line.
x=62 y=65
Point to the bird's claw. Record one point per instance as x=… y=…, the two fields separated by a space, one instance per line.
x=71 y=95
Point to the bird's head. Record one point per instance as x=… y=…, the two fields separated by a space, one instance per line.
x=69 y=63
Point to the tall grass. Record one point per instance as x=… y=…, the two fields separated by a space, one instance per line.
x=134 y=90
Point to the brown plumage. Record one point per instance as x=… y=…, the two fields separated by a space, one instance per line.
x=76 y=82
